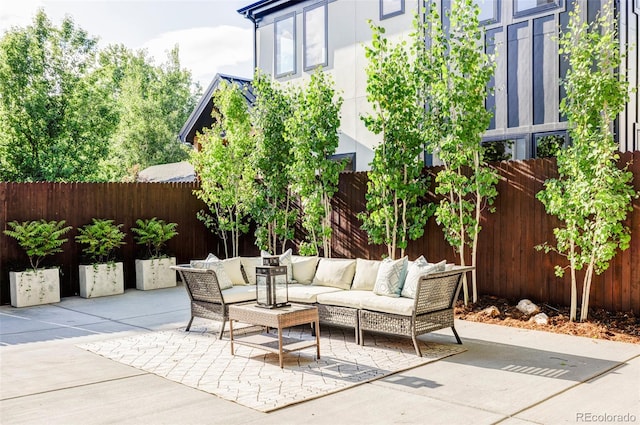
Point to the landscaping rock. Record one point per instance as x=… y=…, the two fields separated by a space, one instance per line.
x=491 y=311
x=527 y=307
x=540 y=319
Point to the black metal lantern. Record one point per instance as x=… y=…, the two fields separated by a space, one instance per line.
x=271 y=286
x=271 y=261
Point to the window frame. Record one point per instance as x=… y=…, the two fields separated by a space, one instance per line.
x=537 y=9
x=276 y=51
x=349 y=155
x=527 y=137
x=384 y=16
x=535 y=136
x=325 y=62
x=497 y=4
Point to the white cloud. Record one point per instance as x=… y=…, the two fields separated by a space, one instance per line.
x=206 y=51
x=17 y=13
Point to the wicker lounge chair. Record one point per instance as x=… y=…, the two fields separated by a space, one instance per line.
x=433 y=309
x=206 y=298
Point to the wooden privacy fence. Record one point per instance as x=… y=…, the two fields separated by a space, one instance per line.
x=508 y=264
x=78 y=203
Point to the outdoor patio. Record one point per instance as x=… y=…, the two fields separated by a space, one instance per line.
x=506 y=375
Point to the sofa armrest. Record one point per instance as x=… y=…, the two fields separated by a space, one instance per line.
x=439 y=291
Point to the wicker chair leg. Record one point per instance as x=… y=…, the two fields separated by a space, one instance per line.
x=416 y=346
x=456 y=335
x=224 y=322
x=189 y=324
x=360 y=338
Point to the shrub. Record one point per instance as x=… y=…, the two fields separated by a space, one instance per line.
x=154 y=234
x=101 y=238
x=39 y=238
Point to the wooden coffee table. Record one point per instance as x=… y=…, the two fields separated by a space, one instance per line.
x=277 y=318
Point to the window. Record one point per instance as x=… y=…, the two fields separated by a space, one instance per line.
x=527 y=7
x=349 y=160
x=285 y=45
x=391 y=8
x=547 y=145
x=489 y=11
x=315 y=36
x=513 y=148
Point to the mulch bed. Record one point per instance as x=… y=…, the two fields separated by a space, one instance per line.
x=600 y=324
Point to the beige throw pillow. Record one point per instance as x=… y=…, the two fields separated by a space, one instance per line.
x=335 y=272
x=214 y=263
x=233 y=268
x=366 y=273
x=304 y=268
x=249 y=265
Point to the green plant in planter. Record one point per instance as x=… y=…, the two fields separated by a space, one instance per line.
x=100 y=239
x=154 y=234
x=39 y=238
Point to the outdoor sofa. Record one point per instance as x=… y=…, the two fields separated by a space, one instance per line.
x=397 y=297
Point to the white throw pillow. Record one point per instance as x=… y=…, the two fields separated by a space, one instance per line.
x=201 y=264
x=391 y=276
x=366 y=274
x=415 y=271
x=335 y=272
x=233 y=267
x=285 y=260
x=304 y=268
x=249 y=265
x=214 y=263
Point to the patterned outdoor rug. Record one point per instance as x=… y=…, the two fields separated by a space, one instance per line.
x=253 y=377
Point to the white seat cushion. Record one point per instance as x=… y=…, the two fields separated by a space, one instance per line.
x=299 y=293
x=384 y=304
x=335 y=272
x=352 y=298
x=240 y=293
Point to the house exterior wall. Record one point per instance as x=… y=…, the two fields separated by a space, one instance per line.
x=528 y=72
x=347 y=31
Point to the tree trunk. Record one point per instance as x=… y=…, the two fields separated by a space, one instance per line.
x=574 y=288
x=586 y=290
x=465 y=286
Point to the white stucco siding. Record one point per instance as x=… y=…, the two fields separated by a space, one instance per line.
x=346 y=63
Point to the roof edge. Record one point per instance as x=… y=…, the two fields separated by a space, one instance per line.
x=204 y=100
x=260 y=8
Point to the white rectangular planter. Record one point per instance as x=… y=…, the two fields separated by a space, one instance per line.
x=101 y=280
x=155 y=274
x=30 y=287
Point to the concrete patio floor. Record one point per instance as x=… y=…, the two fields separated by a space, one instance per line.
x=507 y=375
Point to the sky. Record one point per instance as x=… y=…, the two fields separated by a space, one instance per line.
x=212 y=37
